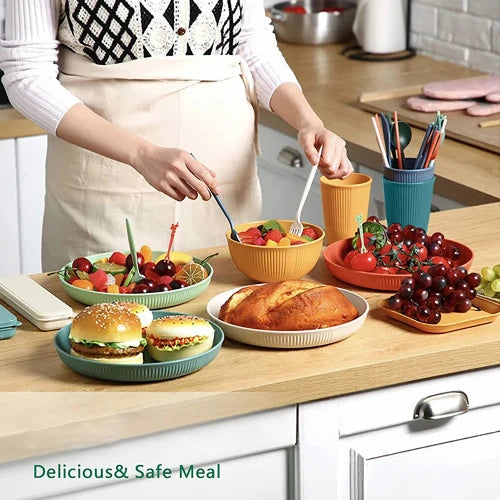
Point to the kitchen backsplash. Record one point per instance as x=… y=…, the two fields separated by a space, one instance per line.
x=466 y=32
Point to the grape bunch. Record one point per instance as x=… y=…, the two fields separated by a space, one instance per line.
x=426 y=295
x=490 y=281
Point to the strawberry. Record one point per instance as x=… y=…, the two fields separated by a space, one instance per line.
x=118 y=258
x=164 y=280
x=297 y=242
x=310 y=232
x=250 y=235
x=273 y=234
x=260 y=242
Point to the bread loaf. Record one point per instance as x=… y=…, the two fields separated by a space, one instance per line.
x=288 y=305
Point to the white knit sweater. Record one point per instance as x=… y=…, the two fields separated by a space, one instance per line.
x=35 y=28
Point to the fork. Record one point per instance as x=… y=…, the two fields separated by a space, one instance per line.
x=136 y=275
x=296 y=228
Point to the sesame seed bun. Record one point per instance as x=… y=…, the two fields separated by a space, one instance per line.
x=165 y=337
x=144 y=314
x=106 y=323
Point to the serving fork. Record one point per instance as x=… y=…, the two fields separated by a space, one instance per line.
x=296 y=228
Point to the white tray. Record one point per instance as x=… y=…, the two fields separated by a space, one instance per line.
x=289 y=339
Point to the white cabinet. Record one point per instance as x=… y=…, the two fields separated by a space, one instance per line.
x=369 y=446
x=10 y=258
x=251 y=457
x=22 y=177
x=282 y=183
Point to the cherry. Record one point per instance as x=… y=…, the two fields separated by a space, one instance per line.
x=451 y=252
x=409 y=310
x=463 y=306
x=176 y=284
x=395 y=303
x=462 y=285
x=471 y=294
x=433 y=303
x=473 y=279
x=82 y=264
x=395 y=228
x=165 y=268
x=405 y=291
x=409 y=232
x=452 y=276
x=437 y=270
x=140 y=262
x=424 y=281
x=396 y=238
x=434 y=317
x=423 y=314
x=162 y=287
x=141 y=289
x=149 y=283
x=373 y=218
x=447 y=290
x=420 y=295
x=435 y=249
x=438 y=283
x=408 y=281
x=462 y=272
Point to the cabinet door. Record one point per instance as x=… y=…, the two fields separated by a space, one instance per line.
x=10 y=262
x=461 y=470
x=31 y=152
x=263 y=476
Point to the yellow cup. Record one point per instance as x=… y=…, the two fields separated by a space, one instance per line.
x=342 y=200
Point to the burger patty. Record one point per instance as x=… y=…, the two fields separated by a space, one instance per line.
x=96 y=351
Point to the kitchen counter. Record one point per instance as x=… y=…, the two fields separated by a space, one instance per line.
x=46 y=407
x=333 y=83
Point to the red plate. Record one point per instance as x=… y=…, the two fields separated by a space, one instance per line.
x=334 y=258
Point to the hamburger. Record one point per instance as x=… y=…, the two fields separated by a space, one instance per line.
x=142 y=312
x=109 y=333
x=178 y=337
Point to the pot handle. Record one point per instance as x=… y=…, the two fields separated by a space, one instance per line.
x=277 y=15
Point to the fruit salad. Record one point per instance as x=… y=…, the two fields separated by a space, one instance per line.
x=114 y=274
x=398 y=250
x=272 y=234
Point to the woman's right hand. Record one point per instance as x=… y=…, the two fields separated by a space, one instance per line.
x=175 y=172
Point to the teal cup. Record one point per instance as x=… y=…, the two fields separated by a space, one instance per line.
x=408 y=202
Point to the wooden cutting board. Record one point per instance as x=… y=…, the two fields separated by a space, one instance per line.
x=460 y=126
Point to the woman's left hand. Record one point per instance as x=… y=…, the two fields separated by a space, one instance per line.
x=334 y=163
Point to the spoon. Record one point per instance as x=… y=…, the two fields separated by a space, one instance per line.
x=136 y=275
x=405 y=135
x=216 y=197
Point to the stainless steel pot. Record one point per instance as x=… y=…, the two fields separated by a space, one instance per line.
x=315 y=27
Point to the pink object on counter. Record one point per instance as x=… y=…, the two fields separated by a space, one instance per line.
x=493 y=96
x=484 y=109
x=467 y=88
x=420 y=103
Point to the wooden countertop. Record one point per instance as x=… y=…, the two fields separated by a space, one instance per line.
x=46 y=407
x=333 y=83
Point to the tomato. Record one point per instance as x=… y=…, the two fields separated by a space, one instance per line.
x=440 y=260
x=370 y=239
x=419 y=250
x=364 y=262
x=391 y=254
x=85 y=284
x=348 y=258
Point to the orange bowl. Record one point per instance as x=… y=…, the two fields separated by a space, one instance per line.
x=334 y=258
x=266 y=264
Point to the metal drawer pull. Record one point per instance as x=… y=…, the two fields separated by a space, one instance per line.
x=291 y=157
x=444 y=405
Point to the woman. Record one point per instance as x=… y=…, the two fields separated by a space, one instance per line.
x=131 y=92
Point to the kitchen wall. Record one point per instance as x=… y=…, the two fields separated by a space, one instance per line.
x=463 y=31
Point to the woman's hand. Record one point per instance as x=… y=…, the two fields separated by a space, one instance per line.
x=333 y=163
x=175 y=172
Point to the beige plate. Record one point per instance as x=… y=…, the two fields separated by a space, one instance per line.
x=489 y=312
x=289 y=339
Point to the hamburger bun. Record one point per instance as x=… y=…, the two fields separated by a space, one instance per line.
x=144 y=314
x=178 y=337
x=108 y=333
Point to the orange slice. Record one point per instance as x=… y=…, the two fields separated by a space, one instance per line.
x=146 y=253
x=192 y=273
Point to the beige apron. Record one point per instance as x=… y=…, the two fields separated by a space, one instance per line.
x=203 y=104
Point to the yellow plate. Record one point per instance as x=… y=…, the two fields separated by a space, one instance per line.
x=489 y=312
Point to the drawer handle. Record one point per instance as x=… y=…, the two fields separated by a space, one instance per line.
x=444 y=405
x=291 y=157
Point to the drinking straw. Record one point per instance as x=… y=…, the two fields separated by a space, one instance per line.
x=398 y=145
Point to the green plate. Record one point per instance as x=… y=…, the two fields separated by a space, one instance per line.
x=149 y=371
x=157 y=300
